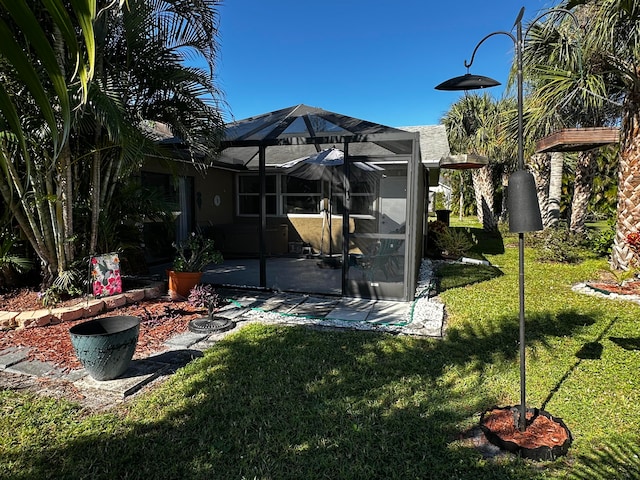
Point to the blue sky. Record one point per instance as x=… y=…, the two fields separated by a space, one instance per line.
x=377 y=60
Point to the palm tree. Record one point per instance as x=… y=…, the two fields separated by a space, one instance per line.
x=473 y=126
x=612 y=35
x=141 y=77
x=37 y=98
x=540 y=168
x=568 y=88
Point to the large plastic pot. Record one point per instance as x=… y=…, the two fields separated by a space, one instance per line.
x=105 y=346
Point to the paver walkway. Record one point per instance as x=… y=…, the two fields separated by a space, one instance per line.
x=424 y=316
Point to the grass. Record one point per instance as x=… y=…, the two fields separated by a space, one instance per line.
x=275 y=402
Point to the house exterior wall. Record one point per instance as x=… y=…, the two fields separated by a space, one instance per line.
x=213 y=195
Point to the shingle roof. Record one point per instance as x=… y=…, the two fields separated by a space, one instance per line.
x=433 y=143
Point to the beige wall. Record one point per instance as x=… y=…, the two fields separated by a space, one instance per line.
x=208 y=185
x=215 y=190
x=309 y=230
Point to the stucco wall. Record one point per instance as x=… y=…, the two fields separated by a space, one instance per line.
x=213 y=191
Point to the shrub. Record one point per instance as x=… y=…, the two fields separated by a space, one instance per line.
x=194 y=253
x=69 y=284
x=11 y=262
x=454 y=241
x=560 y=245
x=601 y=242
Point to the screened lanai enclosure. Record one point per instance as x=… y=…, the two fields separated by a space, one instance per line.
x=352 y=226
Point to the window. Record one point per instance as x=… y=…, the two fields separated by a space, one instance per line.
x=363 y=198
x=300 y=195
x=249 y=194
x=286 y=194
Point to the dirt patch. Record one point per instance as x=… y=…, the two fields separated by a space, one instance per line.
x=544 y=438
x=540 y=432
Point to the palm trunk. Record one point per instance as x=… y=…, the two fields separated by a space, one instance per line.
x=483 y=187
x=555 y=188
x=29 y=219
x=461 y=199
x=628 y=211
x=65 y=185
x=585 y=172
x=504 y=211
x=95 y=196
x=96 y=174
x=540 y=169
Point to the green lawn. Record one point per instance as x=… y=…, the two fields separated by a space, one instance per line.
x=273 y=402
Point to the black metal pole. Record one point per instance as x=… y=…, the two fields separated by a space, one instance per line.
x=523 y=378
x=262 y=226
x=345 y=219
x=469 y=82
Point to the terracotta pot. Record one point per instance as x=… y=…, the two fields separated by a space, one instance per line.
x=181 y=283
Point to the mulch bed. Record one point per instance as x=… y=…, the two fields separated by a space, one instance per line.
x=542 y=432
x=160 y=319
x=626 y=288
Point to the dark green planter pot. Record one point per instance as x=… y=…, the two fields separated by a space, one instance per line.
x=105 y=346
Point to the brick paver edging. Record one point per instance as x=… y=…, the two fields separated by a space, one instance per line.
x=84 y=309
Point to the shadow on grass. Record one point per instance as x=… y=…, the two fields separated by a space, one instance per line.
x=455 y=275
x=490 y=243
x=615 y=460
x=588 y=351
x=275 y=402
x=632 y=343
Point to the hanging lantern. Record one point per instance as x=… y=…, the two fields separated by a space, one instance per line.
x=522 y=203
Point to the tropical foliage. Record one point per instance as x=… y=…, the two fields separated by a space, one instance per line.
x=580 y=70
x=475 y=124
x=11 y=261
x=589 y=79
x=89 y=107
x=194 y=253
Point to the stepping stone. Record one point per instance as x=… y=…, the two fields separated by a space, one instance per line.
x=282 y=303
x=34 y=368
x=388 y=313
x=185 y=340
x=351 y=310
x=139 y=374
x=13 y=355
x=316 y=307
x=348 y=314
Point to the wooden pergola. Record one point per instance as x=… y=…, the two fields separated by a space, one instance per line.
x=578 y=139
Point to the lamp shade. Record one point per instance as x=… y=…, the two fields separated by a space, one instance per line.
x=522 y=203
x=467 y=82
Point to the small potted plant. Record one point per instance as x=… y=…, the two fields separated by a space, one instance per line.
x=192 y=255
